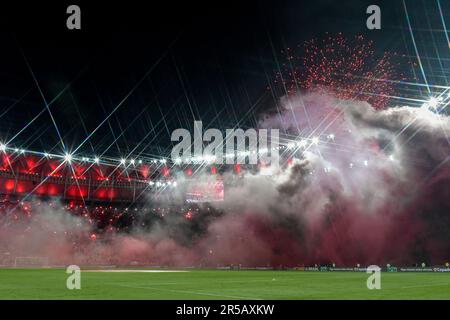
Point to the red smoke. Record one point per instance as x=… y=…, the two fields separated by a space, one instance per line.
x=391 y=206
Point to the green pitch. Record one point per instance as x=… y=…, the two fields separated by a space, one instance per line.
x=215 y=284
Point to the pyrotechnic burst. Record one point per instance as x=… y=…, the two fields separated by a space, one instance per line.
x=349 y=68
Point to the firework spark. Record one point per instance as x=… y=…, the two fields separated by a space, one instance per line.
x=349 y=68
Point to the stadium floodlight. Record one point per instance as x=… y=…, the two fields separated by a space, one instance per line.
x=2 y=147
x=315 y=140
x=331 y=136
x=96 y=160
x=263 y=151
x=366 y=163
x=177 y=161
x=291 y=145
x=174 y=183
x=68 y=157
x=122 y=161
x=132 y=161
x=140 y=161
x=22 y=151
x=46 y=154
x=210 y=158
x=433 y=102
x=163 y=160
x=302 y=143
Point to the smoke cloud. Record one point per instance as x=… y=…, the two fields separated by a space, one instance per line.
x=375 y=190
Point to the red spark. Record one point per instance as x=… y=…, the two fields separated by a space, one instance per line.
x=188 y=215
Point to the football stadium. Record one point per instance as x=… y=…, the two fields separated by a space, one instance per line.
x=198 y=160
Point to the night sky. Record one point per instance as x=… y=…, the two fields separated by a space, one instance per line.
x=166 y=65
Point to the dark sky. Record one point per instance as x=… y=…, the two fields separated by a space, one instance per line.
x=180 y=61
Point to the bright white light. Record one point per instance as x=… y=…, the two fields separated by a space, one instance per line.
x=174 y=183
x=210 y=158
x=85 y=159
x=315 y=140
x=366 y=163
x=46 y=154
x=96 y=160
x=177 y=161
x=291 y=145
x=195 y=159
x=331 y=136
x=163 y=160
x=302 y=143
x=68 y=157
x=151 y=183
x=2 y=147
x=122 y=161
x=140 y=161
x=433 y=102
x=391 y=157
x=132 y=161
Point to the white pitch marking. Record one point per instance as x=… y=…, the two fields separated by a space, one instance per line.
x=191 y=292
x=427 y=285
x=131 y=270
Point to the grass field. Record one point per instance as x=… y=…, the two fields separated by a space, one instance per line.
x=217 y=284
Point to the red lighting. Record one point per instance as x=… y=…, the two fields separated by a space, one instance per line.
x=9 y=185
x=145 y=171
x=188 y=215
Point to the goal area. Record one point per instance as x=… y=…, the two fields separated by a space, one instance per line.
x=31 y=261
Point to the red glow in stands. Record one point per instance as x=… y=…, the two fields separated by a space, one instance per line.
x=25 y=174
